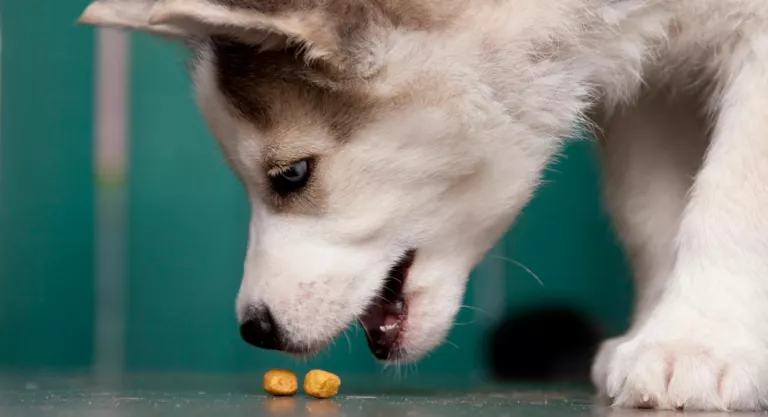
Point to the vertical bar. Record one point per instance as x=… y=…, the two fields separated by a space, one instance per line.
x=110 y=116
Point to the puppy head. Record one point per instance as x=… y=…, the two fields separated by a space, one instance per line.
x=379 y=168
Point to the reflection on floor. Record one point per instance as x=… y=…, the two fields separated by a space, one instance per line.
x=26 y=397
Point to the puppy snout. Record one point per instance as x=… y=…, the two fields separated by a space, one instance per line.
x=259 y=329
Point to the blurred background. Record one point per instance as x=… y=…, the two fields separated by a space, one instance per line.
x=122 y=232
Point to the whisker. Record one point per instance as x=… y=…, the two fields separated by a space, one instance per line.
x=523 y=267
x=479 y=310
x=381 y=297
x=415 y=369
x=349 y=342
x=448 y=342
x=365 y=330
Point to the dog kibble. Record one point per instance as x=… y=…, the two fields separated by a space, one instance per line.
x=321 y=384
x=280 y=382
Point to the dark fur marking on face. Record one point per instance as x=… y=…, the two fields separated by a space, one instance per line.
x=277 y=91
x=262 y=85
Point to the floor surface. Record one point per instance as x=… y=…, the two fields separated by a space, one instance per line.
x=52 y=396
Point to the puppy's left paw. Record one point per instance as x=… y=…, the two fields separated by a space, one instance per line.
x=680 y=374
x=602 y=361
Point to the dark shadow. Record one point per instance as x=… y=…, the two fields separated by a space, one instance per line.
x=548 y=345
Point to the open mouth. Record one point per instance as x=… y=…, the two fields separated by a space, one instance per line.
x=383 y=320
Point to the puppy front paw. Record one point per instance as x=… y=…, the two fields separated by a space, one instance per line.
x=670 y=373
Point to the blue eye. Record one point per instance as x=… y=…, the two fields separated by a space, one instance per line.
x=296 y=172
x=292 y=178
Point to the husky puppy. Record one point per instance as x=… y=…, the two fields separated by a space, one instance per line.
x=387 y=144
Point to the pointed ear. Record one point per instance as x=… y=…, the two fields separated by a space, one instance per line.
x=127 y=14
x=337 y=32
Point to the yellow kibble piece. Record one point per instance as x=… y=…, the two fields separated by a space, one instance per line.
x=281 y=382
x=321 y=384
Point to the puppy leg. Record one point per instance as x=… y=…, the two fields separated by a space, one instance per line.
x=651 y=152
x=704 y=346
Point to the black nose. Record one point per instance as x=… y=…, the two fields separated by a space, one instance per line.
x=260 y=329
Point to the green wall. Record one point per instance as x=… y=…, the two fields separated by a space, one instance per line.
x=187 y=224
x=565 y=237
x=46 y=186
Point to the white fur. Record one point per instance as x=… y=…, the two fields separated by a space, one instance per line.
x=682 y=86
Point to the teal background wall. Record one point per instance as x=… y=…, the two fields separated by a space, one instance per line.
x=46 y=186
x=185 y=228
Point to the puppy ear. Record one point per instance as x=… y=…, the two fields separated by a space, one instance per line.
x=342 y=33
x=127 y=14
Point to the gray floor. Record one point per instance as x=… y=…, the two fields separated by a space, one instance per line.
x=174 y=396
